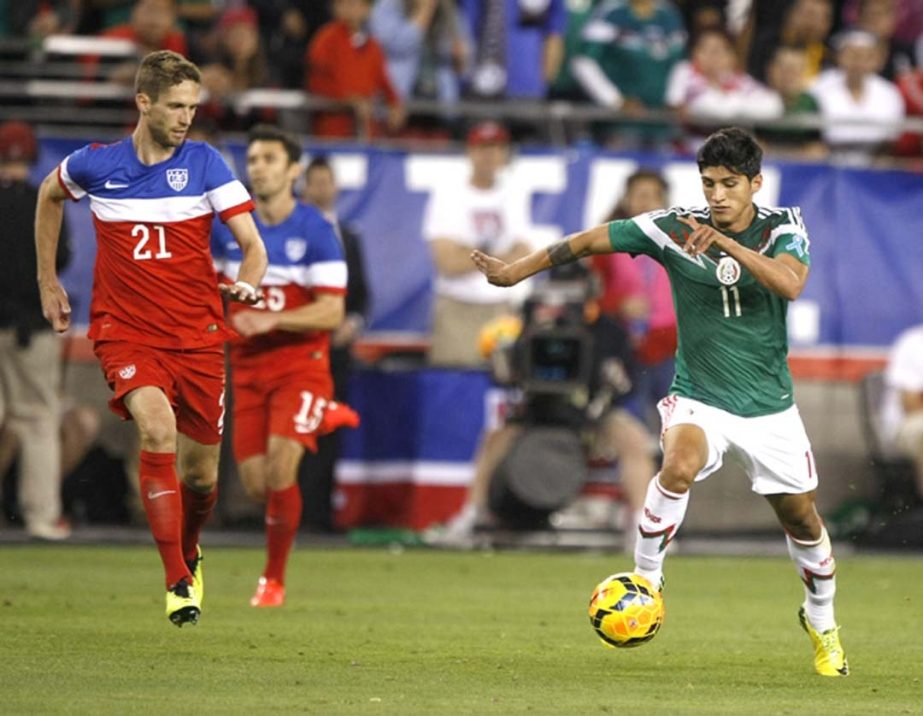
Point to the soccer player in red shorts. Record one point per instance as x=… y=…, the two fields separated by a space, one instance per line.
x=156 y=315
x=283 y=390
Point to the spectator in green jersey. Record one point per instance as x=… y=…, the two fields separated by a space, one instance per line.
x=629 y=48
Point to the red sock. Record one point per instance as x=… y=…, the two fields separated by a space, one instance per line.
x=197 y=508
x=161 y=497
x=283 y=515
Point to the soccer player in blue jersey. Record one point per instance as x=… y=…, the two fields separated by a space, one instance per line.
x=280 y=370
x=734 y=267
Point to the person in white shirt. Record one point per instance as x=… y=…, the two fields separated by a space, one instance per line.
x=903 y=410
x=483 y=211
x=710 y=86
x=862 y=111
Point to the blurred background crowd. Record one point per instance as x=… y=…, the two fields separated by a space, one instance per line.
x=815 y=77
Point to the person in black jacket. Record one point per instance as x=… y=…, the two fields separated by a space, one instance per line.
x=317 y=470
x=30 y=352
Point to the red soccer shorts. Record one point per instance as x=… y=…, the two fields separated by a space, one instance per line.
x=193 y=382
x=289 y=406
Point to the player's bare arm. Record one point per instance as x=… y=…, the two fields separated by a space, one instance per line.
x=573 y=247
x=325 y=314
x=520 y=249
x=49 y=214
x=784 y=275
x=254 y=263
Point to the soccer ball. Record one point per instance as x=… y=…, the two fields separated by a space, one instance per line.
x=497 y=332
x=625 y=610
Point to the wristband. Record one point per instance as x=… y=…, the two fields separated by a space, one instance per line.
x=247 y=286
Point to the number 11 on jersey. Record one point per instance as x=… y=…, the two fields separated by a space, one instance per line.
x=730 y=296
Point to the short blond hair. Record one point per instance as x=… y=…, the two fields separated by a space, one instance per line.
x=164 y=69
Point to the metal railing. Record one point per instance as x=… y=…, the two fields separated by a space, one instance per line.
x=51 y=87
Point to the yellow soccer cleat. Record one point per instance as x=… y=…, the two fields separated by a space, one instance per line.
x=198 y=575
x=829 y=657
x=183 y=604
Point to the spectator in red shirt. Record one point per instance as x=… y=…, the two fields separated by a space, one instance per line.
x=910 y=83
x=152 y=27
x=238 y=64
x=345 y=62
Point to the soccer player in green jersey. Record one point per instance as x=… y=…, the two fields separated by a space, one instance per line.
x=734 y=267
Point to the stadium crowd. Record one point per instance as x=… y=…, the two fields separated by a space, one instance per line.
x=669 y=71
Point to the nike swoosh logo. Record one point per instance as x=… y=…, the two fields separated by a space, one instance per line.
x=115 y=185
x=155 y=495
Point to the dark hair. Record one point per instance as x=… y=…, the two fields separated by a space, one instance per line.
x=271 y=133
x=734 y=149
x=717 y=31
x=164 y=69
x=321 y=161
x=620 y=211
x=646 y=175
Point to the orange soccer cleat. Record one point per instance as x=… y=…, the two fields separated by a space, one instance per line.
x=269 y=593
x=337 y=415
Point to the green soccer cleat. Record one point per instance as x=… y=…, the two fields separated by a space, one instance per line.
x=198 y=575
x=183 y=604
x=829 y=657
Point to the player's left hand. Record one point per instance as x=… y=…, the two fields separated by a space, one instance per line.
x=253 y=323
x=702 y=237
x=242 y=292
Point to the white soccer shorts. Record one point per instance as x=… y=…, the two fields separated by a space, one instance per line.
x=773 y=450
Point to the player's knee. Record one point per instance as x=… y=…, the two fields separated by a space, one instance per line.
x=281 y=471
x=201 y=477
x=254 y=488
x=157 y=435
x=679 y=470
x=802 y=522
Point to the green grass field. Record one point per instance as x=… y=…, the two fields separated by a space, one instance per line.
x=82 y=630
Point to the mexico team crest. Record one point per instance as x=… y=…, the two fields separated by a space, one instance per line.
x=177 y=178
x=728 y=271
x=295 y=249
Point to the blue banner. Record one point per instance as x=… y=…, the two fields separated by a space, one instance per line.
x=865 y=228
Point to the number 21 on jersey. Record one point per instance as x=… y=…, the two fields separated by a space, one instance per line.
x=146 y=248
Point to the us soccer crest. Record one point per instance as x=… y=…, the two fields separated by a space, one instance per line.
x=295 y=249
x=177 y=178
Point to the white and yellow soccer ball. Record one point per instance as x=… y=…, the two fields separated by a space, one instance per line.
x=625 y=610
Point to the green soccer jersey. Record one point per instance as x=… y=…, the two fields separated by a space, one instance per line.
x=733 y=343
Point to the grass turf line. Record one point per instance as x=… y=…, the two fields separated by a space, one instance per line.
x=82 y=630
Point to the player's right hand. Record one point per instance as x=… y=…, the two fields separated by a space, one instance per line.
x=55 y=305
x=241 y=292
x=496 y=271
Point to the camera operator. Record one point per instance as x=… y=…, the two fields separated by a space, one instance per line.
x=569 y=372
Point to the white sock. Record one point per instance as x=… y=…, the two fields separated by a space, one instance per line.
x=663 y=514
x=817 y=569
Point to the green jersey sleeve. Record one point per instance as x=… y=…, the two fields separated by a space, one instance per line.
x=789 y=236
x=637 y=236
